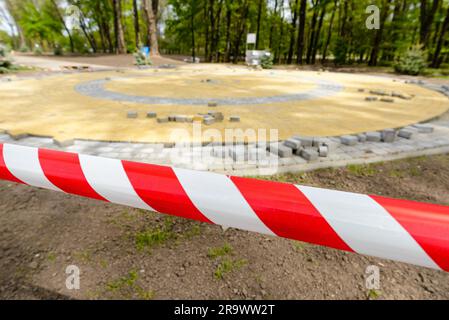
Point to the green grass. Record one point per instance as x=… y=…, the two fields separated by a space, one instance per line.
x=361 y=170
x=220 y=251
x=373 y=294
x=152 y=237
x=51 y=257
x=128 y=284
x=127 y=281
x=228 y=265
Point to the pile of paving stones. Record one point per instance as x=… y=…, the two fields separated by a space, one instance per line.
x=311 y=148
x=385 y=96
x=207 y=118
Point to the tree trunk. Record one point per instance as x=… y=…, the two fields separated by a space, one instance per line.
x=427 y=17
x=301 y=31
x=192 y=30
x=136 y=23
x=379 y=33
x=55 y=5
x=312 y=32
x=10 y=8
x=436 y=57
x=318 y=32
x=273 y=23
x=240 y=31
x=152 y=26
x=259 y=17
x=228 y=32
x=118 y=28
x=294 y=10
x=216 y=34
x=329 y=32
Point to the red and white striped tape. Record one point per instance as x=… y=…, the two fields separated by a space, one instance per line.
x=407 y=231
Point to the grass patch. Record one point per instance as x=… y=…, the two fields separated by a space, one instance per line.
x=228 y=265
x=220 y=251
x=155 y=236
x=127 y=286
x=361 y=170
x=298 y=246
x=51 y=257
x=373 y=294
x=194 y=231
x=127 y=281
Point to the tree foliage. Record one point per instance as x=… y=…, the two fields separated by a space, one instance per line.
x=296 y=31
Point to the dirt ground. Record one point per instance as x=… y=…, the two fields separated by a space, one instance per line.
x=125 y=253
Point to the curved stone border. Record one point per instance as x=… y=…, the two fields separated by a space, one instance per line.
x=420 y=144
x=96 y=89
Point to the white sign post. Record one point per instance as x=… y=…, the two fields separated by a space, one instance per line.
x=251 y=38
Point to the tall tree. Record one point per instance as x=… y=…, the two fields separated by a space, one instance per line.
x=294 y=11
x=152 y=26
x=329 y=32
x=301 y=31
x=136 y=23
x=312 y=31
x=120 y=46
x=378 y=36
x=436 y=61
x=259 y=17
x=61 y=18
x=427 y=16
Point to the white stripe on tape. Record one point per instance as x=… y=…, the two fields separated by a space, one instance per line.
x=109 y=179
x=23 y=163
x=366 y=226
x=220 y=201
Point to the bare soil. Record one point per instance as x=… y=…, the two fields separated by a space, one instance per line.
x=126 y=253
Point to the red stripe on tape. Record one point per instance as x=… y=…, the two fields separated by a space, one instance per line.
x=63 y=169
x=427 y=223
x=5 y=174
x=159 y=187
x=288 y=213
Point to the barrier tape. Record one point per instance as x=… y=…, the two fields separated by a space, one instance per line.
x=406 y=231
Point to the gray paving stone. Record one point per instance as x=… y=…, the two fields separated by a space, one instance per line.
x=218 y=116
x=305 y=141
x=208 y=120
x=323 y=151
x=309 y=154
x=406 y=134
x=181 y=118
x=293 y=144
x=373 y=136
x=349 y=140
x=162 y=120
x=280 y=150
x=239 y=153
x=388 y=135
x=361 y=137
x=331 y=143
x=64 y=143
x=132 y=114
x=379 y=92
x=423 y=128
